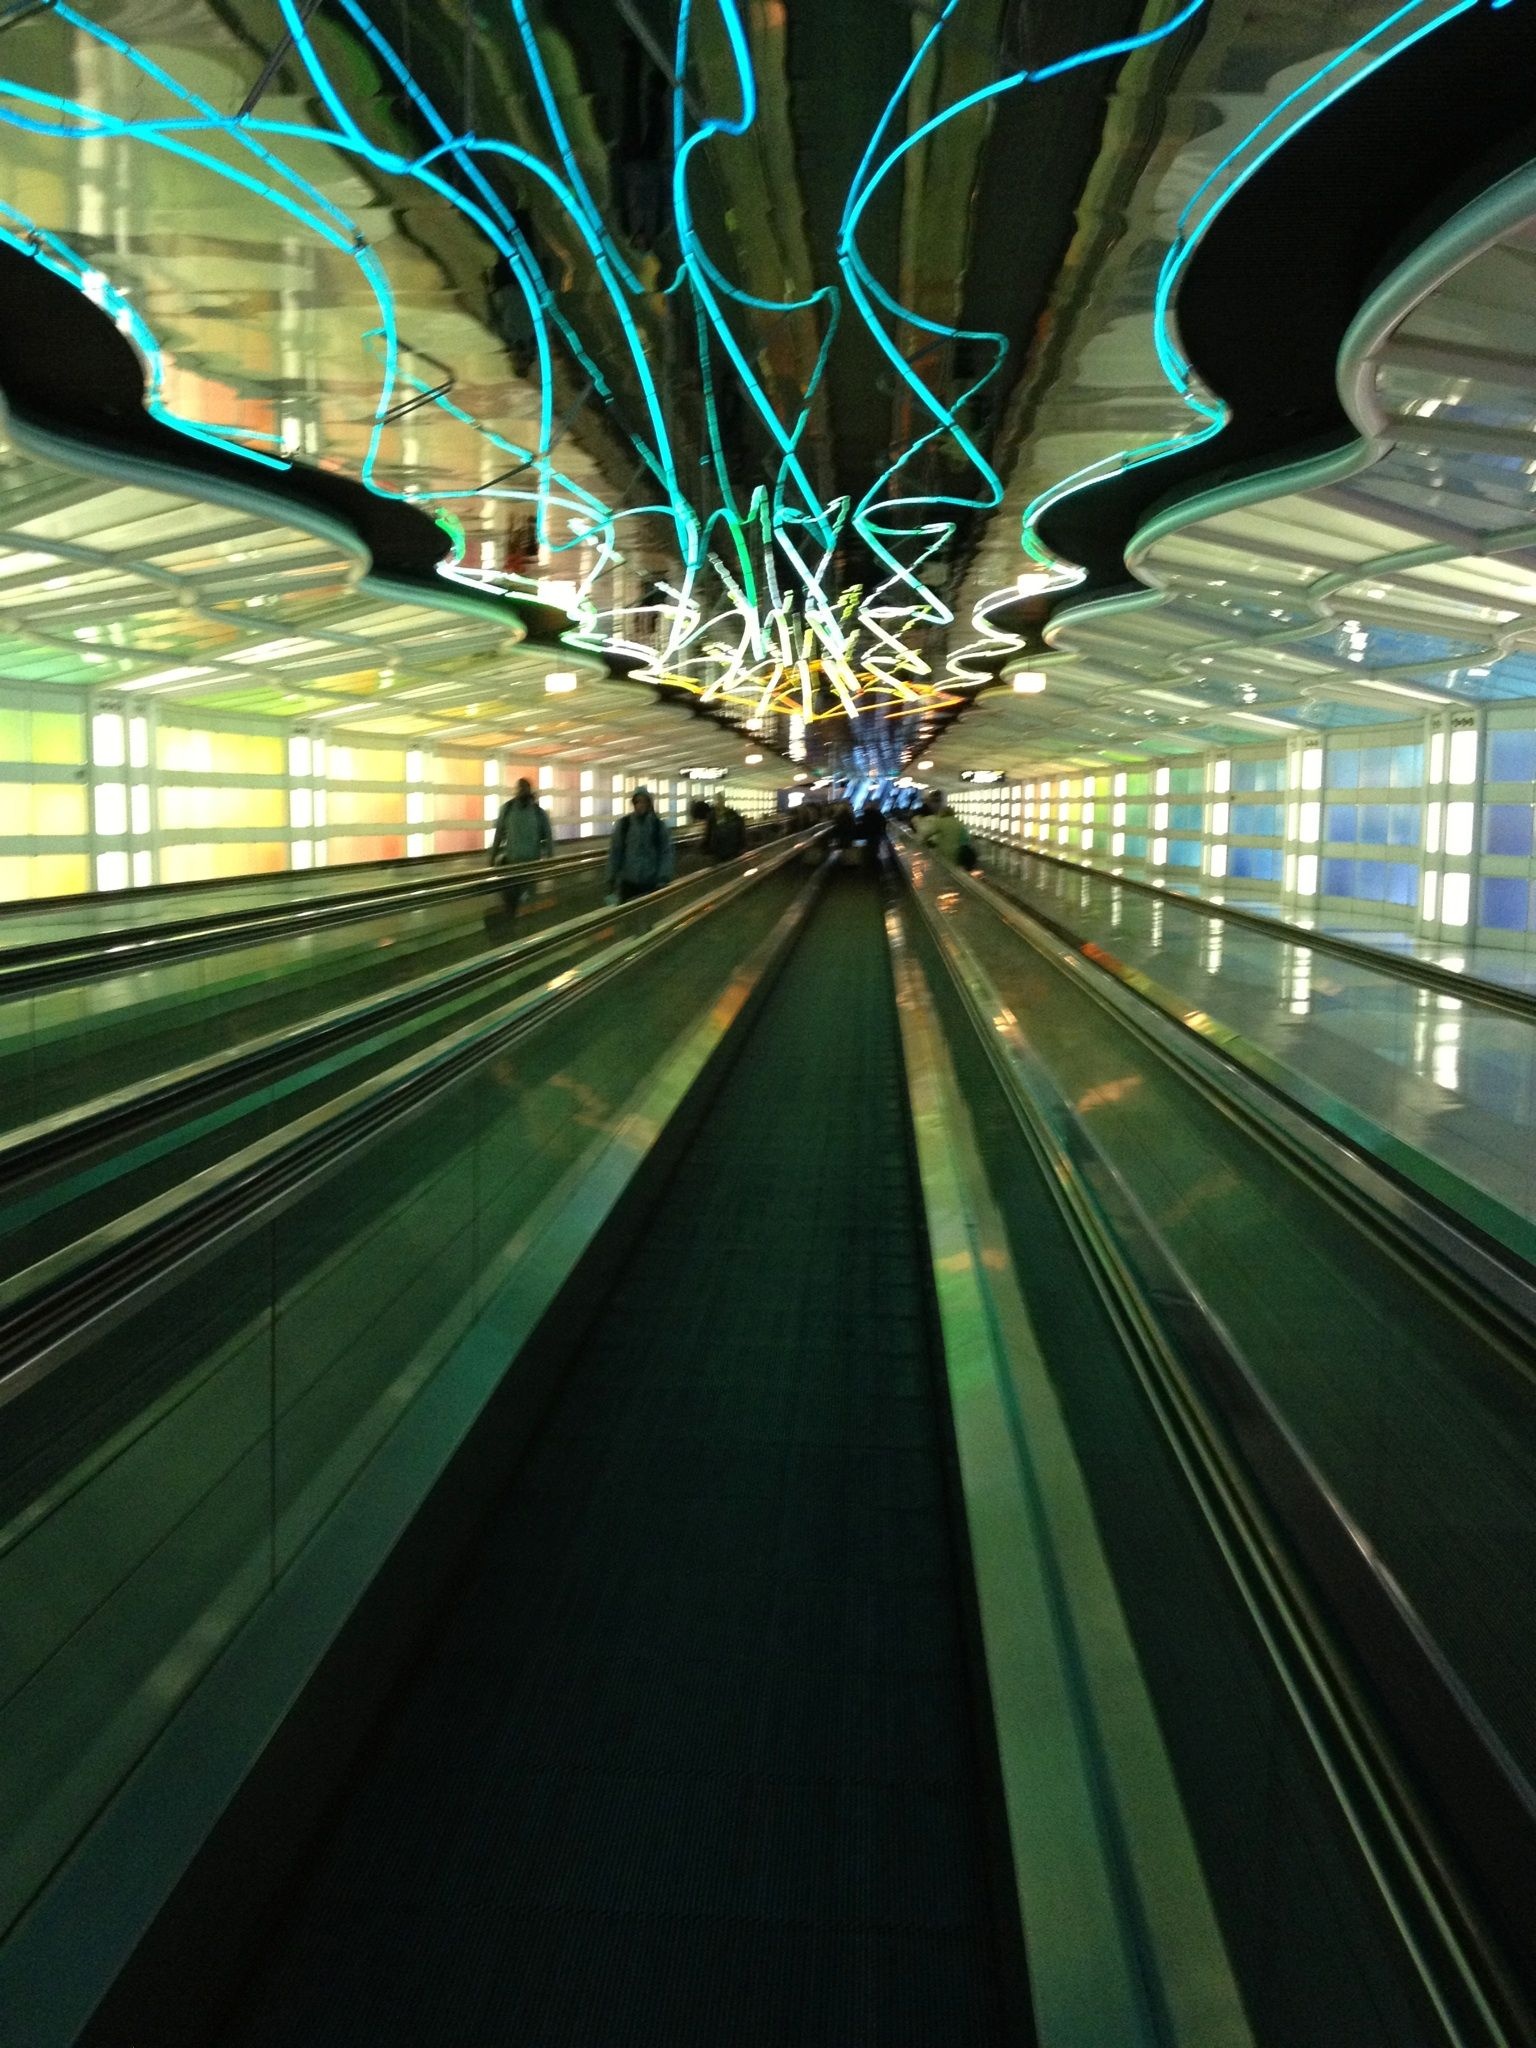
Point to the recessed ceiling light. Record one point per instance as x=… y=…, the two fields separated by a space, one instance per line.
x=560 y=684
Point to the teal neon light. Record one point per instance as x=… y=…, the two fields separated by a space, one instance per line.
x=754 y=617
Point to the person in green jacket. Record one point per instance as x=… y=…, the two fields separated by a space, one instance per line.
x=522 y=834
x=941 y=831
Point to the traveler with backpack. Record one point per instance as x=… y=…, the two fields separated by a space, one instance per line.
x=522 y=833
x=641 y=858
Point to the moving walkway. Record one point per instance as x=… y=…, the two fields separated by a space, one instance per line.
x=83 y=1015
x=992 y=1525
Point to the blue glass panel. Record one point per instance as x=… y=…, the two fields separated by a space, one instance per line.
x=1339 y=824
x=1512 y=756
x=1375 y=767
x=1338 y=878
x=1183 y=853
x=1258 y=820
x=1343 y=769
x=1371 y=881
x=1506 y=902
x=1507 y=829
x=1262 y=777
x=1187 y=817
x=1256 y=863
x=1402 y=883
x=1135 y=846
x=1408 y=767
x=1373 y=824
x=1403 y=827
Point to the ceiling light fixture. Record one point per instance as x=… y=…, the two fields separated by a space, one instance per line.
x=560 y=683
x=1029 y=682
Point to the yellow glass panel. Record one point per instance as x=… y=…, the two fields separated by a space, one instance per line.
x=217 y=810
x=366 y=764
x=246 y=753
x=186 y=752
x=462 y=773
x=58 y=811
x=210 y=863
x=15 y=735
x=344 y=850
x=58 y=739
x=46 y=874
x=369 y=807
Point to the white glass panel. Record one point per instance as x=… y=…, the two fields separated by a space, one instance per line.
x=108 y=742
x=1455 y=899
x=1432 y=829
x=111 y=812
x=1458 y=827
x=1463 y=757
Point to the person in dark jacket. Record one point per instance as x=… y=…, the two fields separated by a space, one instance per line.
x=725 y=831
x=872 y=833
x=641 y=857
x=844 y=827
x=522 y=834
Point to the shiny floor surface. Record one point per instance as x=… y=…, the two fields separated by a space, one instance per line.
x=694 y=1756
x=1453 y=1081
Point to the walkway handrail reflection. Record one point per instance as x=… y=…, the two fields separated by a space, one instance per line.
x=54 y=1142
x=26 y=970
x=1271 y=1510
x=53 y=1309
x=1430 y=974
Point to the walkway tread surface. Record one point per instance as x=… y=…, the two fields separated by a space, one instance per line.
x=693 y=1759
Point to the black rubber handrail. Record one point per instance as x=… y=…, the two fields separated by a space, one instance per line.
x=1451 y=981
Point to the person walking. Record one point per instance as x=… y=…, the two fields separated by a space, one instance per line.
x=522 y=834
x=872 y=834
x=942 y=832
x=725 y=832
x=641 y=857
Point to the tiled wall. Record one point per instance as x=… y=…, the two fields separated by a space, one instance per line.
x=1428 y=827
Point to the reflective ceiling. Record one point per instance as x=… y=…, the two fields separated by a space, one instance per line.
x=772 y=349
